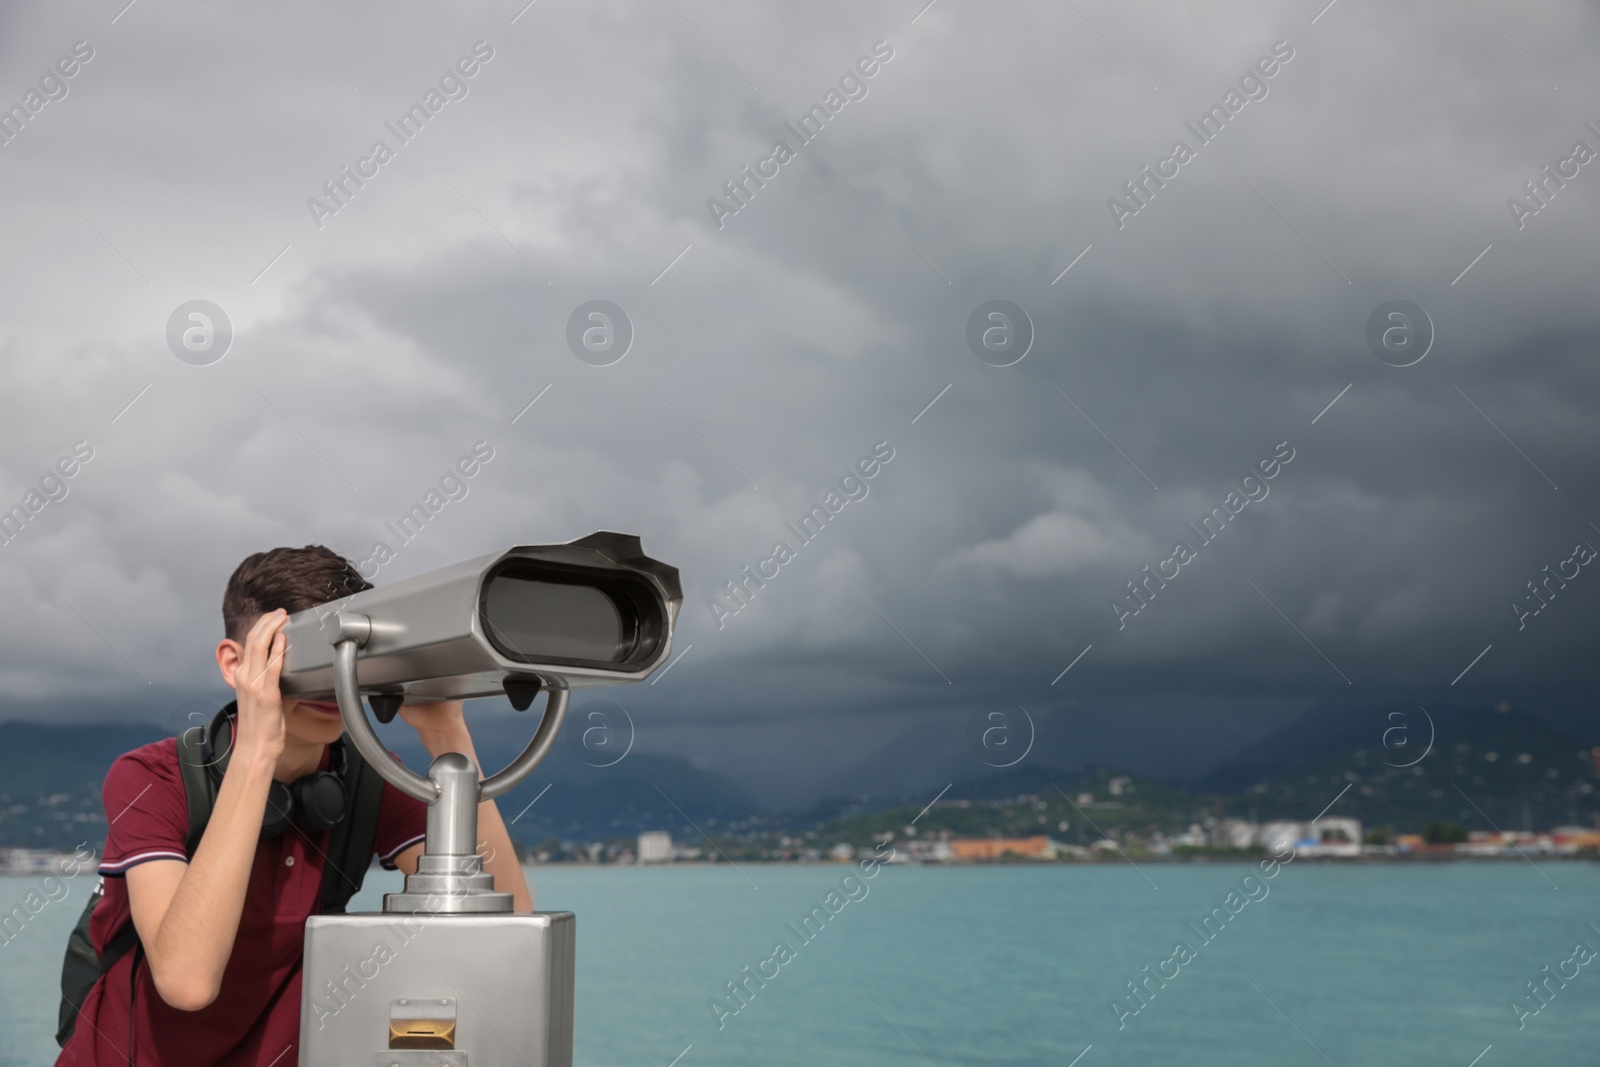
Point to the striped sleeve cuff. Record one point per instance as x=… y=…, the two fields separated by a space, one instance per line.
x=386 y=861
x=115 y=870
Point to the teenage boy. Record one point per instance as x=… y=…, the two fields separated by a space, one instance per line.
x=216 y=977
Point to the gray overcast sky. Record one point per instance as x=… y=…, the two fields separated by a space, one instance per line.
x=375 y=345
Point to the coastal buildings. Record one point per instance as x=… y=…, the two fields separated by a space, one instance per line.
x=1330 y=836
x=1234 y=833
x=1561 y=841
x=655 y=846
x=993 y=848
x=31 y=861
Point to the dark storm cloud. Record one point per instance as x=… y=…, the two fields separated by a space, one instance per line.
x=1178 y=351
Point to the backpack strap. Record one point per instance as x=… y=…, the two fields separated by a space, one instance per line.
x=351 y=843
x=118 y=946
x=199 y=787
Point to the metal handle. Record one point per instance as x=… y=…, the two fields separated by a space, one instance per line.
x=347 y=691
x=512 y=774
x=361 y=733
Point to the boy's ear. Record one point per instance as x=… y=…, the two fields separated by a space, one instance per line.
x=229 y=655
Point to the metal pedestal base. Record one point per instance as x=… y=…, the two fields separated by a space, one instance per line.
x=392 y=988
x=448 y=885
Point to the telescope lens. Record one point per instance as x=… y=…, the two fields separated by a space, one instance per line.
x=557 y=621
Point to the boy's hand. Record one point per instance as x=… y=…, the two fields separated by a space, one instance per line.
x=442 y=721
x=260 y=732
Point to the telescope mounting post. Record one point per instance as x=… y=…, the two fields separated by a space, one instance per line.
x=450 y=879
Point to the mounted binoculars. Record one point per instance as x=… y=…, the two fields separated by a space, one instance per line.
x=446 y=975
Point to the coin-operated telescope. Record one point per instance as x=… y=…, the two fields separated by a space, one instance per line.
x=446 y=975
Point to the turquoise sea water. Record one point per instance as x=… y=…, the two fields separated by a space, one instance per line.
x=1018 y=965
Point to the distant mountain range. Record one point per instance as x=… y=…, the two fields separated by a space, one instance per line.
x=1486 y=769
x=50 y=780
x=1482 y=772
x=1505 y=770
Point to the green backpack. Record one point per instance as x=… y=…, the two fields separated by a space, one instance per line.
x=349 y=855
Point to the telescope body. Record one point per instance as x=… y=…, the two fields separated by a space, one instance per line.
x=596 y=611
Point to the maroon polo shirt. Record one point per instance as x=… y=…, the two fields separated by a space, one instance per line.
x=255 y=1020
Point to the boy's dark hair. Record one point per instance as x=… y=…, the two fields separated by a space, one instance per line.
x=291 y=578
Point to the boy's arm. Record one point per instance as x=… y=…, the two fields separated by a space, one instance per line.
x=187 y=914
x=442 y=730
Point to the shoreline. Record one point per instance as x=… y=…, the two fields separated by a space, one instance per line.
x=1116 y=861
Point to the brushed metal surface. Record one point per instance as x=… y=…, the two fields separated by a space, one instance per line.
x=510 y=977
x=424 y=635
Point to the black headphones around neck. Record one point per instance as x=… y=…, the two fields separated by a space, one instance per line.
x=313 y=803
